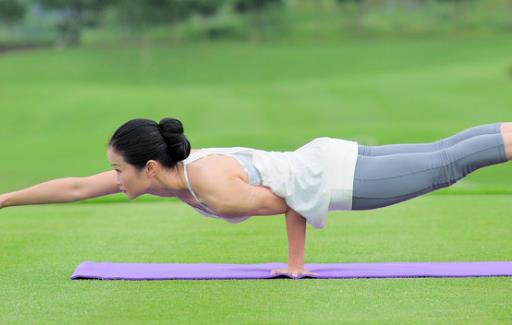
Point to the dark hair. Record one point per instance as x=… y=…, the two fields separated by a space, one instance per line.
x=140 y=140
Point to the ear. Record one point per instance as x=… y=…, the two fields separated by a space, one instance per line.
x=152 y=167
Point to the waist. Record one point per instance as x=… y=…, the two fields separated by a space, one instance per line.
x=341 y=165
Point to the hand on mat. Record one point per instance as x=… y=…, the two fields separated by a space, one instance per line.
x=294 y=271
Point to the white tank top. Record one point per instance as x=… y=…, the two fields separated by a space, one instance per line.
x=314 y=179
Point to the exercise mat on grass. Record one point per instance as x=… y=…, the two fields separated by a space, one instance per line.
x=207 y=271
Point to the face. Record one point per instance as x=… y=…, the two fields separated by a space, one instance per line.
x=131 y=181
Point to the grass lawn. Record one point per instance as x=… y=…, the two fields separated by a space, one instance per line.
x=41 y=246
x=59 y=107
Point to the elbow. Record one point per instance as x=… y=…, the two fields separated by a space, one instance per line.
x=77 y=190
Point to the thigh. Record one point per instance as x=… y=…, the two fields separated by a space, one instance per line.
x=385 y=180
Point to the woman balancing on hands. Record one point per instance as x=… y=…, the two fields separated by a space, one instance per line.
x=236 y=183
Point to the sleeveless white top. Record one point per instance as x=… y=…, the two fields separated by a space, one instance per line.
x=314 y=179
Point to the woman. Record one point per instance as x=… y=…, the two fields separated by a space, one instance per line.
x=235 y=183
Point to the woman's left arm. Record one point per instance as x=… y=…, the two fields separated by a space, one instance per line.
x=296 y=231
x=233 y=197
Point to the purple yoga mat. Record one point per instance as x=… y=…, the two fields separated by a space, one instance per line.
x=207 y=271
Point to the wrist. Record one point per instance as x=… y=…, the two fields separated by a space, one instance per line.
x=295 y=263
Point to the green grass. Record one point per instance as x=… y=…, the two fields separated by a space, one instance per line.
x=41 y=246
x=59 y=107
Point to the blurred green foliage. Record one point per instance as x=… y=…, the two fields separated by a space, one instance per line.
x=11 y=11
x=73 y=21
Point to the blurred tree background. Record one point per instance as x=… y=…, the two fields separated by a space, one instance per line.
x=73 y=22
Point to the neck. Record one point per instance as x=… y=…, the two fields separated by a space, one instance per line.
x=171 y=183
x=180 y=183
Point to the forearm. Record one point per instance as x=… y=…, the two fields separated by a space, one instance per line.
x=296 y=230
x=53 y=191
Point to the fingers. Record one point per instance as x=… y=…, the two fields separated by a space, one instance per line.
x=294 y=273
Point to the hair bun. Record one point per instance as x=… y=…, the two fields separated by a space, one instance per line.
x=172 y=131
x=170 y=125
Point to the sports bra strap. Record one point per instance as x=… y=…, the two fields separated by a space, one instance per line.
x=191 y=159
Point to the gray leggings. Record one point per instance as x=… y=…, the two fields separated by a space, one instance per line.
x=393 y=173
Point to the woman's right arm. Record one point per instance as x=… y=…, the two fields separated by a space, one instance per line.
x=67 y=189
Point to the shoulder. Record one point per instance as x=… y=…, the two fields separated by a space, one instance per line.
x=214 y=170
x=213 y=176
